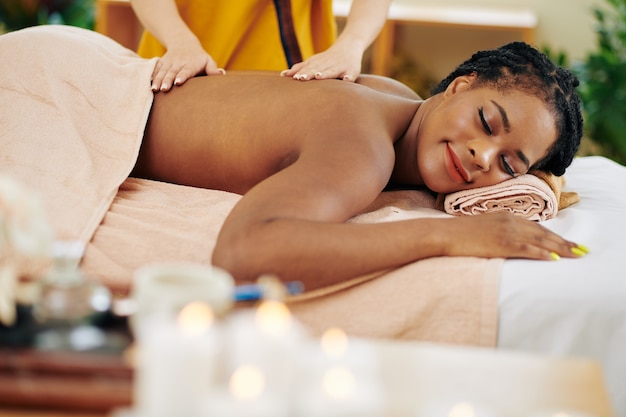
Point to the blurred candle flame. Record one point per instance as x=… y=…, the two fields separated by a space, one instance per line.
x=338 y=383
x=247 y=383
x=462 y=410
x=195 y=318
x=334 y=342
x=273 y=317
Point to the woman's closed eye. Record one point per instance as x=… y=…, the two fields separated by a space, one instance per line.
x=481 y=115
x=507 y=167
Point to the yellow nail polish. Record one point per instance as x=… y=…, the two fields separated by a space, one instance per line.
x=583 y=248
x=555 y=256
x=578 y=252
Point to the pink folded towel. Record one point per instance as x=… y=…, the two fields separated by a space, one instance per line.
x=535 y=196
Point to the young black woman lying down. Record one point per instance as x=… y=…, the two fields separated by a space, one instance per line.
x=308 y=156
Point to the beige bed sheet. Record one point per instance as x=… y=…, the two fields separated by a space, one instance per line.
x=446 y=300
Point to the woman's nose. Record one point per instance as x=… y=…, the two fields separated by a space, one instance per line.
x=483 y=152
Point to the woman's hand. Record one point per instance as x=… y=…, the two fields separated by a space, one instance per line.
x=341 y=61
x=180 y=64
x=504 y=235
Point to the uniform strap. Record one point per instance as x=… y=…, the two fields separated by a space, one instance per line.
x=287 y=32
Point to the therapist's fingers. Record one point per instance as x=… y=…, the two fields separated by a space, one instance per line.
x=340 y=61
x=157 y=77
x=306 y=73
x=165 y=72
x=211 y=67
x=176 y=68
x=190 y=71
x=168 y=81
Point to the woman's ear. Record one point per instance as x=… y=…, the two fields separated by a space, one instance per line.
x=461 y=83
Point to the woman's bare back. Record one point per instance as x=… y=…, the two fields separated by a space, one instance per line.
x=231 y=132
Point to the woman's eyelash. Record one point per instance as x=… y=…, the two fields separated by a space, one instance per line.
x=507 y=167
x=505 y=164
x=481 y=114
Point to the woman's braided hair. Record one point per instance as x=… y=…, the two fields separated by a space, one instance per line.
x=519 y=66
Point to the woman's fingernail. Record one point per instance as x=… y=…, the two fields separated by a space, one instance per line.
x=578 y=252
x=222 y=70
x=283 y=72
x=177 y=81
x=318 y=75
x=347 y=78
x=555 y=256
x=583 y=248
x=163 y=87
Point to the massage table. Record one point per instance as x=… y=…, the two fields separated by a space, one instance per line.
x=73 y=106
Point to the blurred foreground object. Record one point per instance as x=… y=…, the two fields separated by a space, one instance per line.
x=25 y=242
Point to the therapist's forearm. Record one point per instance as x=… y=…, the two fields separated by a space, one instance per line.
x=365 y=21
x=162 y=19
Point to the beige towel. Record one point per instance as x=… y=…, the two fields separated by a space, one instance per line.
x=537 y=196
x=73 y=108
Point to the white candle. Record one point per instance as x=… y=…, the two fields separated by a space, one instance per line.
x=267 y=337
x=449 y=408
x=334 y=343
x=247 y=396
x=164 y=288
x=559 y=413
x=339 y=394
x=176 y=363
x=338 y=379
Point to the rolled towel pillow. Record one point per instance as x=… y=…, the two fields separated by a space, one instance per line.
x=535 y=196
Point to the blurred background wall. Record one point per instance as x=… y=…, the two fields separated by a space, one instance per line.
x=562 y=26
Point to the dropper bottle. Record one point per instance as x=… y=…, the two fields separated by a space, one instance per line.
x=70 y=303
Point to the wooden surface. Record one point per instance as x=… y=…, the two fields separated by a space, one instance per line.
x=60 y=382
x=17 y=412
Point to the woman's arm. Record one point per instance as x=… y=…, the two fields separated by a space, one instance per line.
x=343 y=59
x=319 y=253
x=185 y=57
x=293 y=225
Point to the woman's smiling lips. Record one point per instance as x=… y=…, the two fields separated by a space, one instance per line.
x=454 y=166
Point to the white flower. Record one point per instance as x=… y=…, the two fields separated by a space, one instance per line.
x=8 y=283
x=25 y=240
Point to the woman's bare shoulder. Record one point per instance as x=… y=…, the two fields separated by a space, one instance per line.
x=387 y=85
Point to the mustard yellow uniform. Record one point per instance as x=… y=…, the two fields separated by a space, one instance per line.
x=244 y=34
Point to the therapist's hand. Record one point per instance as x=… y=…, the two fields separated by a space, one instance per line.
x=341 y=60
x=181 y=63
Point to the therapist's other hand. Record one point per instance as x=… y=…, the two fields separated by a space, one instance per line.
x=181 y=63
x=339 y=61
